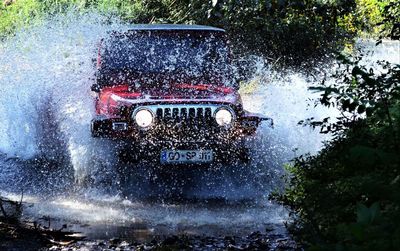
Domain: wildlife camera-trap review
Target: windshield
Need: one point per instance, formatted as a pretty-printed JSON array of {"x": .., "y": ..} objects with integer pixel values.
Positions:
[{"x": 195, "y": 55}]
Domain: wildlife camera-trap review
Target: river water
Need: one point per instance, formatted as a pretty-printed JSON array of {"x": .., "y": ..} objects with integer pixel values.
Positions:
[{"x": 45, "y": 111}]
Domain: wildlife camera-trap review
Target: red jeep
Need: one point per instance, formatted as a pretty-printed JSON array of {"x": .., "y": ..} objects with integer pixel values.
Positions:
[{"x": 168, "y": 92}]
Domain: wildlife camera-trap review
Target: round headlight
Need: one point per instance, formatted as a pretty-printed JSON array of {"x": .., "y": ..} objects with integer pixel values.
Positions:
[
  {"x": 144, "y": 118},
  {"x": 224, "y": 117}
]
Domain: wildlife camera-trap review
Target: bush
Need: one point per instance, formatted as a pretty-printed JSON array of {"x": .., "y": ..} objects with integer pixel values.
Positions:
[{"x": 347, "y": 196}]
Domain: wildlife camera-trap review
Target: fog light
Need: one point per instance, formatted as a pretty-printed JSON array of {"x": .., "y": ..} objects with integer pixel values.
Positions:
[{"x": 119, "y": 126}]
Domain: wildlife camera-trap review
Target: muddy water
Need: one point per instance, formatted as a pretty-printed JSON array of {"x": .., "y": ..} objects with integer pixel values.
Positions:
[{"x": 111, "y": 211}]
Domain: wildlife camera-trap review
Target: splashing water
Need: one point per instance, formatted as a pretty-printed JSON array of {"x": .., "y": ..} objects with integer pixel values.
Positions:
[
  {"x": 46, "y": 108},
  {"x": 45, "y": 104}
]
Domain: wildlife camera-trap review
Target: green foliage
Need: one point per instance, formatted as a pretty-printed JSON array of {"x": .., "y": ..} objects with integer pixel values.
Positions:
[
  {"x": 289, "y": 30},
  {"x": 360, "y": 92},
  {"x": 294, "y": 31},
  {"x": 18, "y": 14},
  {"x": 367, "y": 15},
  {"x": 347, "y": 196},
  {"x": 391, "y": 20},
  {"x": 25, "y": 13}
]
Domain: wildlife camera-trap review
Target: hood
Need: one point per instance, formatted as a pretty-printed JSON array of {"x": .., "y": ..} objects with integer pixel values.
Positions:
[
  {"x": 168, "y": 83},
  {"x": 186, "y": 91},
  {"x": 177, "y": 93}
]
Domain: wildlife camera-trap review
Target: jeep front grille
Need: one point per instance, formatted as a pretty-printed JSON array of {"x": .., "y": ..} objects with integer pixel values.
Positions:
[
  {"x": 183, "y": 113},
  {"x": 185, "y": 123}
]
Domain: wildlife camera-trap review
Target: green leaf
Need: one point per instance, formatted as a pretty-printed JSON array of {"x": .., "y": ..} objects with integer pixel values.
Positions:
[
  {"x": 363, "y": 214},
  {"x": 375, "y": 212},
  {"x": 367, "y": 216},
  {"x": 363, "y": 155},
  {"x": 357, "y": 71}
]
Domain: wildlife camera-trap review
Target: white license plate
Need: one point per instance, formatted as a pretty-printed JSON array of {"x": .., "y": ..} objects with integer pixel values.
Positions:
[{"x": 187, "y": 156}]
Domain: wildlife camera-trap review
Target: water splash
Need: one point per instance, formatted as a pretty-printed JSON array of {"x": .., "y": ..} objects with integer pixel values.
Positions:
[
  {"x": 45, "y": 109},
  {"x": 45, "y": 104}
]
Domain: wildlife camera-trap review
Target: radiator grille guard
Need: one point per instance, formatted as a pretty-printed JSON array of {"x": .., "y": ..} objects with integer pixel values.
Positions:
[
  {"x": 183, "y": 113},
  {"x": 189, "y": 122}
]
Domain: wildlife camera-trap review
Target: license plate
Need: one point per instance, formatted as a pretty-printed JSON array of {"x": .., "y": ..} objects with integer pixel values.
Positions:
[{"x": 187, "y": 156}]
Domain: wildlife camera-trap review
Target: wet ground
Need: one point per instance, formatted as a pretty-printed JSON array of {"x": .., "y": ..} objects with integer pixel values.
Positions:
[{"x": 217, "y": 202}]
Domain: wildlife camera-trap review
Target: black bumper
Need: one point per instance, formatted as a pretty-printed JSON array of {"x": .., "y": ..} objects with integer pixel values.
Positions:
[{"x": 116, "y": 128}]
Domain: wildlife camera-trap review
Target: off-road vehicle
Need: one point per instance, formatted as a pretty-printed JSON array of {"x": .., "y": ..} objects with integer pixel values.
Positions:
[{"x": 168, "y": 93}]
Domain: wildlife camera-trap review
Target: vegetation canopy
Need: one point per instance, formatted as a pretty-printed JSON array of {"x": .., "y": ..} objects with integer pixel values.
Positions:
[{"x": 293, "y": 31}]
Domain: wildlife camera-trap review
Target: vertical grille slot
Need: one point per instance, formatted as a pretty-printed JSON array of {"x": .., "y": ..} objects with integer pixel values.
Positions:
[
  {"x": 159, "y": 113},
  {"x": 207, "y": 116},
  {"x": 167, "y": 113},
  {"x": 192, "y": 113},
  {"x": 175, "y": 113},
  {"x": 208, "y": 113},
  {"x": 200, "y": 114},
  {"x": 184, "y": 114}
]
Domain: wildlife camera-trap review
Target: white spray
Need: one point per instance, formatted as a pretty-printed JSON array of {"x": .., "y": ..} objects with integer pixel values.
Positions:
[
  {"x": 46, "y": 108},
  {"x": 45, "y": 102}
]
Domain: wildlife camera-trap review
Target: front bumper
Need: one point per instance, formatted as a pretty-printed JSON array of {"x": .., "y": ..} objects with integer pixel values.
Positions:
[
  {"x": 116, "y": 128},
  {"x": 227, "y": 144}
]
